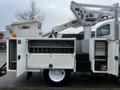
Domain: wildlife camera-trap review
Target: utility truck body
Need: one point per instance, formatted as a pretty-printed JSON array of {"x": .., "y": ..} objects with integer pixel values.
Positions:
[
  {"x": 97, "y": 55},
  {"x": 36, "y": 54}
]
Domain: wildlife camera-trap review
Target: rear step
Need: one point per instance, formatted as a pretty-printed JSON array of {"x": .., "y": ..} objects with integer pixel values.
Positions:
[
  {"x": 3, "y": 70},
  {"x": 82, "y": 63},
  {"x": 83, "y": 67}
]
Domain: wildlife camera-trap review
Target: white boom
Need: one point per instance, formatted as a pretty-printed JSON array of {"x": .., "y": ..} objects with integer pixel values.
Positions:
[
  {"x": 55, "y": 30},
  {"x": 86, "y": 17}
]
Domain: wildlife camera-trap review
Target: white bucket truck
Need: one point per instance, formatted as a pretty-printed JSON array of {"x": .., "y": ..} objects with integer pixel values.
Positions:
[{"x": 58, "y": 57}]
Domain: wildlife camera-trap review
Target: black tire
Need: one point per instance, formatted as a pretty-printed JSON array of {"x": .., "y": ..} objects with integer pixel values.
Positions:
[{"x": 53, "y": 83}]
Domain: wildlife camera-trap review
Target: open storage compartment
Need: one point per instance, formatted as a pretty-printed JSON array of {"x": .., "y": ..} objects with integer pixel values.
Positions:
[
  {"x": 44, "y": 53},
  {"x": 51, "y": 46},
  {"x": 12, "y": 54},
  {"x": 101, "y": 53}
]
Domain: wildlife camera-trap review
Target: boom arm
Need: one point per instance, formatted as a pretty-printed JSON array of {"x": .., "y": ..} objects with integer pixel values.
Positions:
[
  {"x": 87, "y": 17},
  {"x": 55, "y": 30}
]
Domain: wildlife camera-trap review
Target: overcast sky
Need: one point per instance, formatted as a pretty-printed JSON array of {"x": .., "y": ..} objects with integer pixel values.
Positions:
[{"x": 57, "y": 11}]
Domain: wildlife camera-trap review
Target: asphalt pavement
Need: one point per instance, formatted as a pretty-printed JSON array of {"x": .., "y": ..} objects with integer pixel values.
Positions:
[{"x": 37, "y": 80}]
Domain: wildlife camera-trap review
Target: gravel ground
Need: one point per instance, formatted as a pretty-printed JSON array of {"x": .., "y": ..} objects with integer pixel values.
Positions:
[{"x": 37, "y": 81}]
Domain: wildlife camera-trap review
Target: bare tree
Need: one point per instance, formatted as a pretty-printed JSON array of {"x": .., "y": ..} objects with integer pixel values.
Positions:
[{"x": 33, "y": 13}]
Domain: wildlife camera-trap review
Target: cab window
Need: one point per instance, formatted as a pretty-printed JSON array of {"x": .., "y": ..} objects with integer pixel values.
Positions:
[{"x": 103, "y": 30}]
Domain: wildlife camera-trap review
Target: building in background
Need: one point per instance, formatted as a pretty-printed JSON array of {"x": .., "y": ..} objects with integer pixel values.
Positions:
[{"x": 3, "y": 37}]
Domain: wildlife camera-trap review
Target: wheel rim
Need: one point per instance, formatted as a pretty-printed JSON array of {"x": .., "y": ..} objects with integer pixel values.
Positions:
[{"x": 57, "y": 75}]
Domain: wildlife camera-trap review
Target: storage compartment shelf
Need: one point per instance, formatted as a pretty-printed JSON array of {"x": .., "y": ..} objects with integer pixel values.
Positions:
[
  {"x": 51, "y": 50},
  {"x": 100, "y": 60},
  {"x": 48, "y": 47}
]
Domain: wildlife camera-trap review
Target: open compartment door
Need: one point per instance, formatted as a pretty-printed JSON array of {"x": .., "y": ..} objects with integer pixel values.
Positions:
[
  {"x": 113, "y": 57},
  {"x": 98, "y": 53},
  {"x": 21, "y": 57}
]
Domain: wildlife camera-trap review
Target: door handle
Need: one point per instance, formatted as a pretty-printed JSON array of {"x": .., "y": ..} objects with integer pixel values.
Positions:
[
  {"x": 116, "y": 57},
  {"x": 19, "y": 57}
]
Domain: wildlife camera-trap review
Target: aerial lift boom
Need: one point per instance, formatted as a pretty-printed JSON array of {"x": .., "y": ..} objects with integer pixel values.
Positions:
[
  {"x": 87, "y": 18},
  {"x": 55, "y": 30}
]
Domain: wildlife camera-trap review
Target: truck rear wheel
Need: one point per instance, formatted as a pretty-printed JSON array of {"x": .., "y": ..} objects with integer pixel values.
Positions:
[{"x": 56, "y": 77}]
